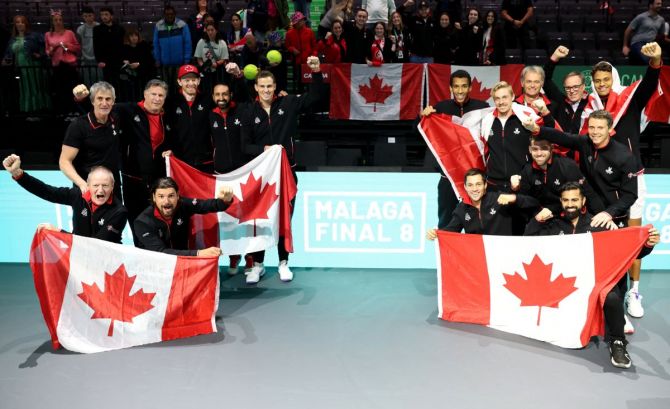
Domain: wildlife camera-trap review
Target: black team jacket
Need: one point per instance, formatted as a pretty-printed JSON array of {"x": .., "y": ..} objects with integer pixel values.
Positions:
[
  {"x": 491, "y": 217},
  {"x": 171, "y": 237},
  {"x": 611, "y": 171},
  {"x": 190, "y": 134},
  {"x": 105, "y": 223}
]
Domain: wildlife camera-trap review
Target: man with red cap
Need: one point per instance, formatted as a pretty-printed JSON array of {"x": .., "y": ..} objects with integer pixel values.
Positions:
[{"x": 187, "y": 115}]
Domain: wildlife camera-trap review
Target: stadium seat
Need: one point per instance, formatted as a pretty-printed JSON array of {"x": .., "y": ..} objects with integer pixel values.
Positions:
[
  {"x": 583, "y": 41},
  {"x": 344, "y": 156},
  {"x": 595, "y": 56},
  {"x": 576, "y": 57},
  {"x": 554, "y": 39},
  {"x": 546, "y": 24},
  {"x": 535, "y": 56},
  {"x": 513, "y": 56},
  {"x": 608, "y": 41},
  {"x": 572, "y": 23},
  {"x": 310, "y": 153},
  {"x": 390, "y": 154}
]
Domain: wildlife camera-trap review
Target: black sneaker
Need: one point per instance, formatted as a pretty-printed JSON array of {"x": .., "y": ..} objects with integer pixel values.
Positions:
[{"x": 619, "y": 355}]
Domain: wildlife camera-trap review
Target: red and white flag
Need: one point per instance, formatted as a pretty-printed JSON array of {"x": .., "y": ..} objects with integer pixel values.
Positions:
[
  {"x": 390, "y": 92},
  {"x": 658, "y": 107},
  {"x": 99, "y": 296},
  {"x": 260, "y": 213},
  {"x": 456, "y": 144},
  {"x": 550, "y": 288},
  {"x": 483, "y": 80}
]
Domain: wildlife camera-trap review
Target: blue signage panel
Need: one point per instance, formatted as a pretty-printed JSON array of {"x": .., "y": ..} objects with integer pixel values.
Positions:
[{"x": 356, "y": 220}]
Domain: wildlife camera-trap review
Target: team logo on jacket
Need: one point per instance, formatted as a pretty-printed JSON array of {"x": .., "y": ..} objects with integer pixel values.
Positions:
[
  {"x": 84, "y": 212},
  {"x": 180, "y": 222},
  {"x": 178, "y": 111},
  {"x": 200, "y": 108},
  {"x": 101, "y": 222},
  {"x": 136, "y": 118},
  {"x": 493, "y": 211},
  {"x": 280, "y": 112},
  {"x": 237, "y": 121},
  {"x": 538, "y": 182},
  {"x": 257, "y": 120},
  {"x": 216, "y": 125},
  {"x": 561, "y": 233},
  {"x": 160, "y": 233},
  {"x": 516, "y": 131},
  {"x": 194, "y": 201},
  {"x": 590, "y": 159},
  {"x": 557, "y": 182},
  {"x": 609, "y": 170},
  {"x": 621, "y": 224},
  {"x": 467, "y": 217},
  {"x": 167, "y": 127}
]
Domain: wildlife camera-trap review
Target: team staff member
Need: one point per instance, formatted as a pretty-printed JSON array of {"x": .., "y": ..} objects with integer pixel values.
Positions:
[
  {"x": 544, "y": 177},
  {"x": 460, "y": 84},
  {"x": 532, "y": 81},
  {"x": 188, "y": 118},
  {"x": 574, "y": 219},
  {"x": 609, "y": 166},
  {"x": 92, "y": 139},
  {"x": 96, "y": 213},
  {"x": 273, "y": 120},
  {"x": 166, "y": 224},
  {"x": 488, "y": 213}
]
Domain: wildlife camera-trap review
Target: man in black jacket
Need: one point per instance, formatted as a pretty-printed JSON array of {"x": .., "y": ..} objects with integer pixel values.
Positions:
[
  {"x": 358, "y": 38},
  {"x": 421, "y": 27},
  {"x": 95, "y": 213},
  {"x": 107, "y": 45},
  {"x": 544, "y": 177},
  {"x": 574, "y": 219},
  {"x": 460, "y": 84},
  {"x": 165, "y": 226},
  {"x": 487, "y": 213},
  {"x": 272, "y": 120}
]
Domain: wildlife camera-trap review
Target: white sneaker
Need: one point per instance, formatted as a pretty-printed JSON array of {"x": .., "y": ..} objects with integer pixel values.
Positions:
[
  {"x": 254, "y": 273},
  {"x": 628, "y": 326},
  {"x": 285, "y": 273},
  {"x": 634, "y": 304}
]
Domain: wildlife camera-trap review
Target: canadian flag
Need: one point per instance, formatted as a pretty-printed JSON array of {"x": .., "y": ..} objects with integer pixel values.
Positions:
[
  {"x": 389, "y": 92},
  {"x": 98, "y": 296},
  {"x": 260, "y": 213},
  {"x": 658, "y": 107},
  {"x": 550, "y": 288},
  {"x": 456, "y": 144},
  {"x": 483, "y": 80}
]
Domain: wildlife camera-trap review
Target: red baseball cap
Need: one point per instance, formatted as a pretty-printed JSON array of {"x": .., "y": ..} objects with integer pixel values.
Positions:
[{"x": 187, "y": 69}]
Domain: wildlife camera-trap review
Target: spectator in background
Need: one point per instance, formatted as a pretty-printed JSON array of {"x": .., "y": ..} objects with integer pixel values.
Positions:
[
  {"x": 381, "y": 49},
  {"x": 451, "y": 7},
  {"x": 358, "y": 37},
  {"x": 303, "y": 7},
  {"x": 257, "y": 18},
  {"x": 63, "y": 49},
  {"x": 517, "y": 15},
  {"x": 470, "y": 39},
  {"x": 644, "y": 28},
  {"x": 280, "y": 19},
  {"x": 300, "y": 40},
  {"x": 89, "y": 66},
  {"x": 333, "y": 46},
  {"x": 493, "y": 41},
  {"x": 421, "y": 28},
  {"x": 339, "y": 12},
  {"x": 211, "y": 54},
  {"x": 26, "y": 52},
  {"x": 107, "y": 45},
  {"x": 445, "y": 40},
  {"x": 138, "y": 66},
  {"x": 236, "y": 38},
  {"x": 378, "y": 11},
  {"x": 399, "y": 35},
  {"x": 172, "y": 40},
  {"x": 197, "y": 23}
]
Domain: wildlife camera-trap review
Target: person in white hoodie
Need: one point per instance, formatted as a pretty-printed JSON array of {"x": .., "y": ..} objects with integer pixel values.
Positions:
[{"x": 378, "y": 10}]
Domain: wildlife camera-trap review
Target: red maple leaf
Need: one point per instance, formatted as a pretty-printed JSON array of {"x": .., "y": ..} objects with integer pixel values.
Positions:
[
  {"x": 538, "y": 289},
  {"x": 255, "y": 201},
  {"x": 478, "y": 92},
  {"x": 375, "y": 93},
  {"x": 115, "y": 301}
]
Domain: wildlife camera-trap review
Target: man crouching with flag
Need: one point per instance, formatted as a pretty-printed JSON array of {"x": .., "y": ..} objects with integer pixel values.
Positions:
[
  {"x": 574, "y": 220},
  {"x": 165, "y": 226}
]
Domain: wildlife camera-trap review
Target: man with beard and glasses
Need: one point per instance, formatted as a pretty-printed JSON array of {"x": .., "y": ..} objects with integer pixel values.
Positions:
[
  {"x": 166, "y": 224},
  {"x": 460, "y": 84},
  {"x": 574, "y": 220},
  {"x": 487, "y": 213}
]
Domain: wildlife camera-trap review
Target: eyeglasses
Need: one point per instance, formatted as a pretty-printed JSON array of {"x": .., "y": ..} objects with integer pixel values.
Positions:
[{"x": 573, "y": 88}]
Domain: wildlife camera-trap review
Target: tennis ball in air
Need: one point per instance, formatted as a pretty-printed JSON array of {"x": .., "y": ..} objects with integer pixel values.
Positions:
[
  {"x": 274, "y": 56},
  {"x": 250, "y": 71}
]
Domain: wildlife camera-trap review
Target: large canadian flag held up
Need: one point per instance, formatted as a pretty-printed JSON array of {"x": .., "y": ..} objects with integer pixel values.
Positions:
[
  {"x": 550, "y": 288},
  {"x": 260, "y": 213},
  {"x": 390, "y": 92},
  {"x": 483, "y": 80},
  {"x": 98, "y": 296}
]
